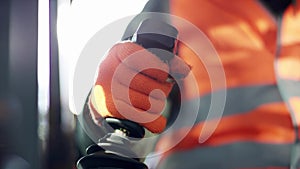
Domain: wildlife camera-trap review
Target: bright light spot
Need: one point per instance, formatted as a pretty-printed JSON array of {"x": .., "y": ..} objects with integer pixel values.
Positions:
[
  {"x": 77, "y": 23},
  {"x": 43, "y": 67}
]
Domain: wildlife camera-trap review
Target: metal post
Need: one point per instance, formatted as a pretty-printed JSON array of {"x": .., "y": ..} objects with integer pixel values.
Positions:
[
  {"x": 59, "y": 144},
  {"x": 23, "y": 76}
]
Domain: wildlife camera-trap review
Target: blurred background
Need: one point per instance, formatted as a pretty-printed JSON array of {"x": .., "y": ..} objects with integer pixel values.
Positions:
[{"x": 40, "y": 41}]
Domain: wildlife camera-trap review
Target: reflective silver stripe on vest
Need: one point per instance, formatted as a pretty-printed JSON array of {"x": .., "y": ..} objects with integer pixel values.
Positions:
[
  {"x": 241, "y": 100},
  {"x": 291, "y": 87},
  {"x": 231, "y": 156}
]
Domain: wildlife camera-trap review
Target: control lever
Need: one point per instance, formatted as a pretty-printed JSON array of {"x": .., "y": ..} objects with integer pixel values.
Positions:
[{"x": 113, "y": 151}]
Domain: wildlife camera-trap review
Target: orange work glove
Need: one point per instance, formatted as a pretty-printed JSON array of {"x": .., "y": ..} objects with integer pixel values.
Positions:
[{"x": 126, "y": 82}]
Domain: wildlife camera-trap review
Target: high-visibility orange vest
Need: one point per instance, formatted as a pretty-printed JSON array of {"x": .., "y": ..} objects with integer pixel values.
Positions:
[{"x": 261, "y": 60}]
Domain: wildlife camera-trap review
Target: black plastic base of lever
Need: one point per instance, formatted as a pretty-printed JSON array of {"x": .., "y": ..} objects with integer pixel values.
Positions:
[
  {"x": 101, "y": 160},
  {"x": 134, "y": 130}
]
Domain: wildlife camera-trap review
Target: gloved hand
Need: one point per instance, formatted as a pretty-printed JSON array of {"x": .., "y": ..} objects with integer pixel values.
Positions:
[{"x": 125, "y": 89}]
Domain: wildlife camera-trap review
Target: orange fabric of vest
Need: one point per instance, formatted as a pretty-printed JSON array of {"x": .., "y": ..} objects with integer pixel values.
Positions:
[{"x": 244, "y": 35}]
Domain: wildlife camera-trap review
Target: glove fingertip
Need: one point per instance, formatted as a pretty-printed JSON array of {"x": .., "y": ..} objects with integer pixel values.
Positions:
[{"x": 178, "y": 68}]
